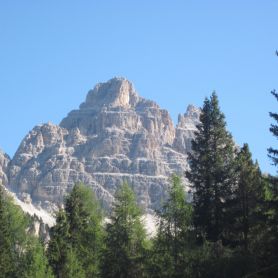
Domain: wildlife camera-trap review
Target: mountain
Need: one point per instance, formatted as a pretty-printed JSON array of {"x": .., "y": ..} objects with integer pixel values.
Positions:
[
  {"x": 114, "y": 136},
  {"x": 4, "y": 161}
]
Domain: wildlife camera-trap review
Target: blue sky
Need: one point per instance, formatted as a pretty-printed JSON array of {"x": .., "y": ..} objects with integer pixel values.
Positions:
[{"x": 175, "y": 52}]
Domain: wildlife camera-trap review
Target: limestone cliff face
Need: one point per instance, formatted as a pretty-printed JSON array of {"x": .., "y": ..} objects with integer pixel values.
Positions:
[
  {"x": 114, "y": 136},
  {"x": 4, "y": 161}
]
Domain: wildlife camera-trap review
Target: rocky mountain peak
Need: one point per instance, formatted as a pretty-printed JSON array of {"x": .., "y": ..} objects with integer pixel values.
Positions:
[
  {"x": 114, "y": 136},
  {"x": 117, "y": 92},
  {"x": 186, "y": 128},
  {"x": 190, "y": 118},
  {"x": 193, "y": 112}
]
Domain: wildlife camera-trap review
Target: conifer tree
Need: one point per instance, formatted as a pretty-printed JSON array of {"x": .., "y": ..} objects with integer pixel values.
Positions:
[
  {"x": 174, "y": 238},
  {"x": 77, "y": 236},
  {"x": 72, "y": 267},
  {"x": 125, "y": 240},
  {"x": 212, "y": 171},
  {"x": 248, "y": 198},
  {"x": 272, "y": 200},
  {"x": 35, "y": 264},
  {"x": 59, "y": 244},
  {"x": 84, "y": 217},
  {"x": 272, "y": 152},
  {"x": 7, "y": 252},
  {"x": 21, "y": 255}
]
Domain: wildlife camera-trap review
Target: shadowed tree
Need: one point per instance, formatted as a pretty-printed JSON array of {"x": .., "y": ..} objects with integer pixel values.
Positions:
[{"x": 211, "y": 172}]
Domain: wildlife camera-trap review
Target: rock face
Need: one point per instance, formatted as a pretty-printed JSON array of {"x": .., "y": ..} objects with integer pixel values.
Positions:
[
  {"x": 114, "y": 136},
  {"x": 4, "y": 161}
]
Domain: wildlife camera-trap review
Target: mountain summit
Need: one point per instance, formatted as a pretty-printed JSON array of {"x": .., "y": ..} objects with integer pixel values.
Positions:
[
  {"x": 117, "y": 92},
  {"x": 114, "y": 136}
]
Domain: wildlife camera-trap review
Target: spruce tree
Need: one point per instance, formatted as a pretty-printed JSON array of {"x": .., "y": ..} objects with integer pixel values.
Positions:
[
  {"x": 85, "y": 219},
  {"x": 272, "y": 152},
  {"x": 7, "y": 252},
  {"x": 174, "y": 237},
  {"x": 72, "y": 267},
  {"x": 78, "y": 234},
  {"x": 59, "y": 244},
  {"x": 211, "y": 172},
  {"x": 125, "y": 240},
  {"x": 272, "y": 200},
  {"x": 248, "y": 199},
  {"x": 35, "y": 263},
  {"x": 21, "y": 254}
]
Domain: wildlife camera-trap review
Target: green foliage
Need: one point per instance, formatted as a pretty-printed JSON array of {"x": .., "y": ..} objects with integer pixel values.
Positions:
[
  {"x": 21, "y": 255},
  {"x": 72, "y": 267},
  {"x": 246, "y": 218},
  {"x": 124, "y": 254},
  {"x": 271, "y": 236},
  {"x": 212, "y": 171},
  {"x": 59, "y": 244},
  {"x": 77, "y": 236},
  {"x": 213, "y": 260},
  {"x": 174, "y": 237},
  {"x": 273, "y": 153},
  {"x": 35, "y": 264},
  {"x": 85, "y": 227},
  {"x": 8, "y": 254}
]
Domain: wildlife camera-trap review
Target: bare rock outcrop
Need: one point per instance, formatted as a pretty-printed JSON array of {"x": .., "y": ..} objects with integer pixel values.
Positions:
[{"x": 4, "y": 161}]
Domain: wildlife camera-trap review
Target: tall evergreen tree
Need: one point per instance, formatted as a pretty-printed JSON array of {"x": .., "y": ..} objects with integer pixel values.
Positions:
[
  {"x": 248, "y": 199},
  {"x": 72, "y": 267},
  {"x": 125, "y": 240},
  {"x": 77, "y": 235},
  {"x": 212, "y": 171},
  {"x": 35, "y": 264},
  {"x": 59, "y": 244},
  {"x": 21, "y": 255},
  {"x": 272, "y": 152},
  {"x": 174, "y": 237},
  {"x": 7, "y": 252},
  {"x": 85, "y": 227},
  {"x": 272, "y": 200}
]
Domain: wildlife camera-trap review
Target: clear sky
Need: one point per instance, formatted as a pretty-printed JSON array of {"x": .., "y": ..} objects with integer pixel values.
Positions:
[{"x": 175, "y": 52}]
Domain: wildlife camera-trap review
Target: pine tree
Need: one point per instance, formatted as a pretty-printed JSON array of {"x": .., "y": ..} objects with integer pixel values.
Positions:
[
  {"x": 248, "y": 199},
  {"x": 13, "y": 237},
  {"x": 21, "y": 254},
  {"x": 212, "y": 171},
  {"x": 125, "y": 240},
  {"x": 273, "y": 153},
  {"x": 72, "y": 267},
  {"x": 7, "y": 255},
  {"x": 59, "y": 244},
  {"x": 173, "y": 241},
  {"x": 85, "y": 227},
  {"x": 35, "y": 264},
  {"x": 272, "y": 200},
  {"x": 78, "y": 234}
]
